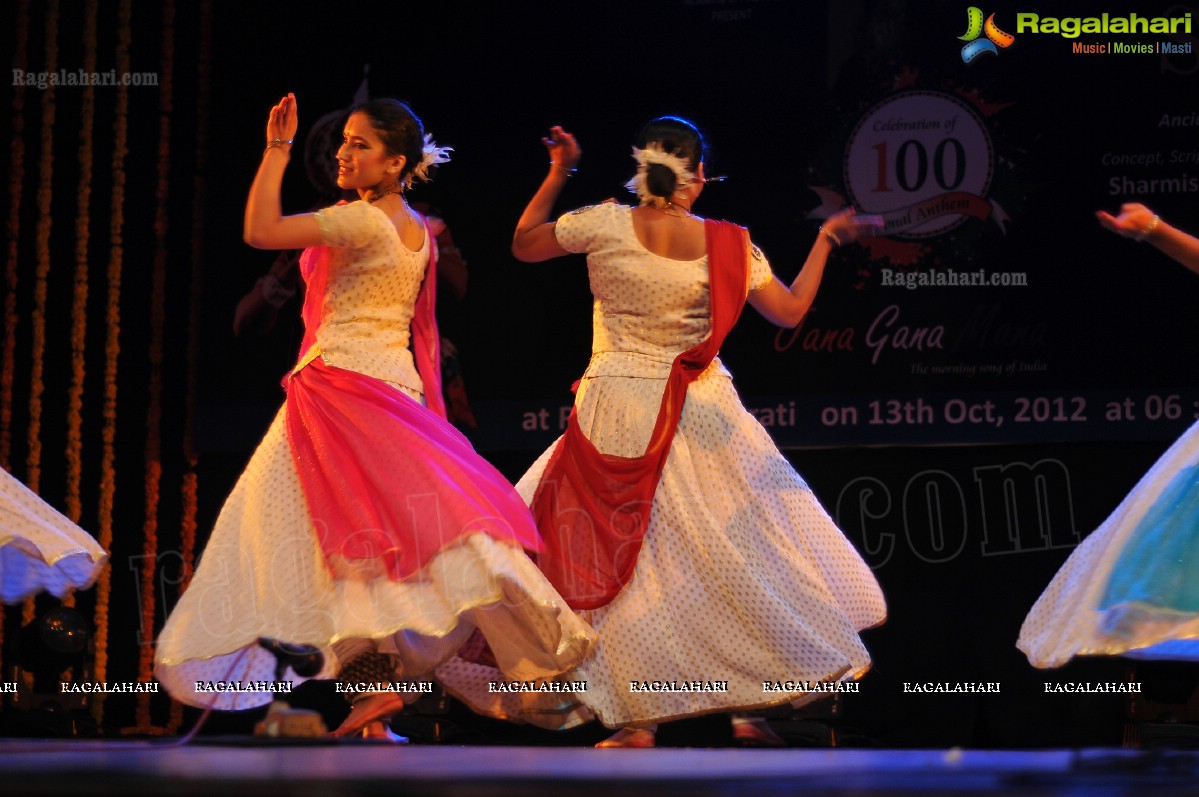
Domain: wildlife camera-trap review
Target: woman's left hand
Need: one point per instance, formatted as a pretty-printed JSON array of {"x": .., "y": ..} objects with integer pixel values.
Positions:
[
  {"x": 848, "y": 226},
  {"x": 282, "y": 123},
  {"x": 1135, "y": 221},
  {"x": 564, "y": 150}
]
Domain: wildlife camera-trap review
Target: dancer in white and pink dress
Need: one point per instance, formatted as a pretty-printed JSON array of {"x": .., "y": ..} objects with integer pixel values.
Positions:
[
  {"x": 40, "y": 548},
  {"x": 364, "y": 524},
  {"x": 1131, "y": 587},
  {"x": 735, "y": 574}
]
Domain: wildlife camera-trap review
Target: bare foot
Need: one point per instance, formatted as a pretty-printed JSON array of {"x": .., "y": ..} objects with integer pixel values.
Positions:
[
  {"x": 629, "y": 737},
  {"x": 367, "y": 710},
  {"x": 378, "y": 731},
  {"x": 755, "y": 732}
]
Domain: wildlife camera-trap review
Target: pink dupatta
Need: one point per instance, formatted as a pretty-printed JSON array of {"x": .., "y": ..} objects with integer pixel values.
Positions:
[{"x": 389, "y": 482}]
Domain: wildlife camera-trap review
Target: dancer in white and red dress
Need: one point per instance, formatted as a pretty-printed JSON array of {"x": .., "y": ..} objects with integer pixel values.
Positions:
[
  {"x": 40, "y": 548},
  {"x": 700, "y": 554},
  {"x": 1131, "y": 587},
  {"x": 364, "y": 524}
]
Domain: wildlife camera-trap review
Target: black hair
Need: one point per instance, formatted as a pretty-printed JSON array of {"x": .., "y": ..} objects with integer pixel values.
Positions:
[
  {"x": 399, "y": 129},
  {"x": 677, "y": 136}
]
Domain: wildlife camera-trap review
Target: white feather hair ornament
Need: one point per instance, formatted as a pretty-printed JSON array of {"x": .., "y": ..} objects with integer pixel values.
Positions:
[
  {"x": 653, "y": 153},
  {"x": 432, "y": 155}
]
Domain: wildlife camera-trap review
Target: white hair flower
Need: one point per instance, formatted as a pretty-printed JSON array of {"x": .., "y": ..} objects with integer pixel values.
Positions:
[
  {"x": 653, "y": 153},
  {"x": 432, "y": 155}
]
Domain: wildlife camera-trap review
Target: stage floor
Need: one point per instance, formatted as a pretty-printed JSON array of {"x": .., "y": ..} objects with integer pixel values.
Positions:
[{"x": 241, "y": 766}]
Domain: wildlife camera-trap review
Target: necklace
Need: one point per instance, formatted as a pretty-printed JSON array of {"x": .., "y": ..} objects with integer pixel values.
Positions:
[
  {"x": 393, "y": 190},
  {"x": 666, "y": 210}
]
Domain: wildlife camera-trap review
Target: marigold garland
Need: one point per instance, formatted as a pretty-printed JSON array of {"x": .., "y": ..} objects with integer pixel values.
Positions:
[
  {"x": 187, "y": 531},
  {"x": 195, "y": 295},
  {"x": 87, "y": 117},
  {"x": 16, "y": 180},
  {"x": 153, "y": 452},
  {"x": 15, "y": 184},
  {"x": 149, "y": 553},
  {"x": 191, "y": 483},
  {"x": 45, "y": 193},
  {"x": 112, "y": 348}
]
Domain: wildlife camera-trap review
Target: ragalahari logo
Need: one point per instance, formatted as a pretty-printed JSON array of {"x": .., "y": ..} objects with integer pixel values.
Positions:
[{"x": 975, "y": 27}]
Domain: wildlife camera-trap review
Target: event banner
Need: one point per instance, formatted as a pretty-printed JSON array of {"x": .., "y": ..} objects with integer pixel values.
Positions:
[{"x": 993, "y": 307}]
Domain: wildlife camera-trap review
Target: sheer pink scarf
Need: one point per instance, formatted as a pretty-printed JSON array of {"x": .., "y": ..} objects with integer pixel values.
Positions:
[{"x": 389, "y": 482}]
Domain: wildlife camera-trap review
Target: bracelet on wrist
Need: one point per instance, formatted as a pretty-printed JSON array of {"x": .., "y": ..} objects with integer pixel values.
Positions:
[
  {"x": 831, "y": 236},
  {"x": 282, "y": 143},
  {"x": 1149, "y": 228},
  {"x": 565, "y": 170}
]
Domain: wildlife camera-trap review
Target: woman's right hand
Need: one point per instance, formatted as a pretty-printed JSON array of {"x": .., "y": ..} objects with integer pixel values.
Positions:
[
  {"x": 534, "y": 239},
  {"x": 1135, "y": 220},
  {"x": 283, "y": 120},
  {"x": 564, "y": 150},
  {"x": 264, "y": 225}
]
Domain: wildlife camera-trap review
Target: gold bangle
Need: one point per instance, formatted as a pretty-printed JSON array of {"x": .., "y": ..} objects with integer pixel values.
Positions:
[
  {"x": 278, "y": 142},
  {"x": 831, "y": 236},
  {"x": 568, "y": 172},
  {"x": 1149, "y": 228}
]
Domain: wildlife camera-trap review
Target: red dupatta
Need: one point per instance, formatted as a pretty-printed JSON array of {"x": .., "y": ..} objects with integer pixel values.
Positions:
[{"x": 592, "y": 509}]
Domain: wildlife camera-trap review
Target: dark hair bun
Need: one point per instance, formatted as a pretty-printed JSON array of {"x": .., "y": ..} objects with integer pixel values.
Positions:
[
  {"x": 674, "y": 135},
  {"x": 660, "y": 180}
]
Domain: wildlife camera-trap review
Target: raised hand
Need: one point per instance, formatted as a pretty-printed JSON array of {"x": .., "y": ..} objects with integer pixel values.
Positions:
[
  {"x": 1135, "y": 220},
  {"x": 283, "y": 120},
  {"x": 563, "y": 149},
  {"x": 848, "y": 226}
]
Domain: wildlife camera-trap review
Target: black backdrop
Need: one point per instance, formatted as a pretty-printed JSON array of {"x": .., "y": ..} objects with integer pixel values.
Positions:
[{"x": 780, "y": 89}]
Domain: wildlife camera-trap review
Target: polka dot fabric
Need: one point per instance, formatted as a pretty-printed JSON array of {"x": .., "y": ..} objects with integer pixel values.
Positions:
[
  {"x": 373, "y": 282},
  {"x": 263, "y": 574},
  {"x": 742, "y": 576},
  {"x": 647, "y": 308},
  {"x": 40, "y": 549}
]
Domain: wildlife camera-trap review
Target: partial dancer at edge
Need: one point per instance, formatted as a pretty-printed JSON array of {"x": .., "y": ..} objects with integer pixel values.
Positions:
[
  {"x": 40, "y": 548},
  {"x": 701, "y": 554},
  {"x": 1132, "y": 586},
  {"x": 364, "y": 524}
]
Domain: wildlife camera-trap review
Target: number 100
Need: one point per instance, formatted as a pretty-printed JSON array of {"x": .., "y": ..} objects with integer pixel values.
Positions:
[{"x": 949, "y": 155}]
